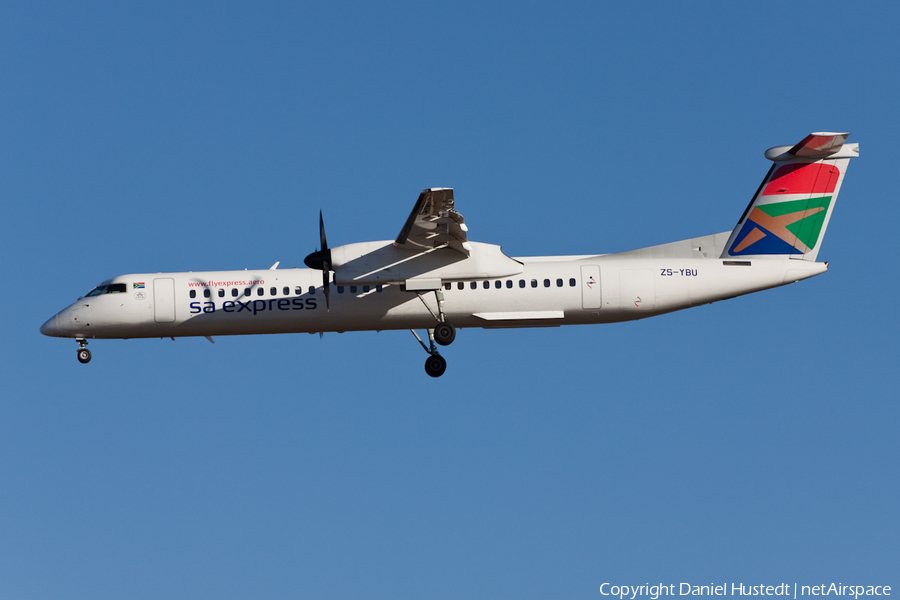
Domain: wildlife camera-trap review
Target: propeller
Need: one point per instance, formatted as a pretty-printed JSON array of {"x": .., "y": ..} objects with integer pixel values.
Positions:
[{"x": 321, "y": 260}]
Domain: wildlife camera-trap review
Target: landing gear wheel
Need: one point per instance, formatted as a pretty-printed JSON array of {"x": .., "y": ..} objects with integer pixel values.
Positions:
[
  {"x": 444, "y": 334},
  {"x": 435, "y": 365},
  {"x": 84, "y": 356}
]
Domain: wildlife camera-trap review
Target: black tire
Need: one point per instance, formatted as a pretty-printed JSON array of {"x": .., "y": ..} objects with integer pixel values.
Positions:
[
  {"x": 435, "y": 365},
  {"x": 84, "y": 356},
  {"x": 444, "y": 334}
]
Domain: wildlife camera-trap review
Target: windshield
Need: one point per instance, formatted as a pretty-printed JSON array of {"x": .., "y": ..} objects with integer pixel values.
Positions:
[{"x": 112, "y": 288}]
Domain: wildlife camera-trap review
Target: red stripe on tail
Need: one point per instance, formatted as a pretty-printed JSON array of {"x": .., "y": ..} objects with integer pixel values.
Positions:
[{"x": 803, "y": 178}]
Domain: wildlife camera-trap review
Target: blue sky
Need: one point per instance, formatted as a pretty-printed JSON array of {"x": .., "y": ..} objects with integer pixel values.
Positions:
[{"x": 754, "y": 440}]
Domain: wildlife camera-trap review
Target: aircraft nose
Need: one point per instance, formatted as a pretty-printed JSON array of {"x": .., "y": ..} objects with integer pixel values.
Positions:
[{"x": 51, "y": 327}]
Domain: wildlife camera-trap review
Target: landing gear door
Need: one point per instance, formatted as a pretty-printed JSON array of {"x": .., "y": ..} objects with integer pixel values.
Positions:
[
  {"x": 591, "y": 297},
  {"x": 164, "y": 300}
]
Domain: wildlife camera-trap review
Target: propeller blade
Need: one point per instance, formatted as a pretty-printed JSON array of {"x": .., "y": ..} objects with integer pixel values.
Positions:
[{"x": 321, "y": 260}]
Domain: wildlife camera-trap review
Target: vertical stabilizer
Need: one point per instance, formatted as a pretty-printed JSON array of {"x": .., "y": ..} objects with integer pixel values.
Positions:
[{"x": 791, "y": 209}]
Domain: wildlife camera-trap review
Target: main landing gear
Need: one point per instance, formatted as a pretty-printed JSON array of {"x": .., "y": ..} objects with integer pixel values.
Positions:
[
  {"x": 435, "y": 365},
  {"x": 84, "y": 355},
  {"x": 443, "y": 333}
]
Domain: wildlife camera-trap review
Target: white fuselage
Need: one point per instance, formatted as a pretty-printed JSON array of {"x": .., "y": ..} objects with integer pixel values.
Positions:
[
  {"x": 550, "y": 291},
  {"x": 432, "y": 276}
]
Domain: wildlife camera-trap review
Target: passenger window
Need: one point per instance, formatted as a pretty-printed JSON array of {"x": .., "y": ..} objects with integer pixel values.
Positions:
[
  {"x": 312, "y": 289},
  {"x": 559, "y": 283},
  {"x": 521, "y": 283},
  {"x": 487, "y": 285},
  {"x": 298, "y": 290},
  {"x": 340, "y": 289},
  {"x": 366, "y": 288},
  {"x": 286, "y": 291},
  {"x": 447, "y": 286},
  {"x": 221, "y": 293},
  {"x": 534, "y": 283},
  {"x": 234, "y": 292},
  {"x": 546, "y": 283},
  {"x": 378, "y": 288},
  {"x": 509, "y": 283},
  {"x": 260, "y": 291},
  {"x": 206, "y": 293},
  {"x": 498, "y": 284},
  {"x": 193, "y": 293},
  {"x": 352, "y": 289},
  {"x": 461, "y": 285},
  {"x": 572, "y": 282},
  {"x": 474, "y": 285},
  {"x": 246, "y": 291}
]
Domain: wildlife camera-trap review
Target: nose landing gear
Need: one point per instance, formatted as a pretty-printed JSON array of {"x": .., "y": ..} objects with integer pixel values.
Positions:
[{"x": 84, "y": 355}]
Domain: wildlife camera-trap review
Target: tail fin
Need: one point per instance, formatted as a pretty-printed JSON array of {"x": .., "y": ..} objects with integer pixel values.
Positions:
[{"x": 790, "y": 211}]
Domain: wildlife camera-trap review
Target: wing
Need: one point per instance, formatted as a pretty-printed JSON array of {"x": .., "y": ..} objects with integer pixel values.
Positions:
[{"x": 434, "y": 223}]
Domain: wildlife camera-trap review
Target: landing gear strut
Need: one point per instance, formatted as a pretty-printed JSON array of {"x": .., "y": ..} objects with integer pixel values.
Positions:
[
  {"x": 444, "y": 332},
  {"x": 435, "y": 365},
  {"x": 84, "y": 355}
]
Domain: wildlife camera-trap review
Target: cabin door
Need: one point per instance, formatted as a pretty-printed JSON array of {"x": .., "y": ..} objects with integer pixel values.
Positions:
[
  {"x": 590, "y": 287},
  {"x": 164, "y": 300}
]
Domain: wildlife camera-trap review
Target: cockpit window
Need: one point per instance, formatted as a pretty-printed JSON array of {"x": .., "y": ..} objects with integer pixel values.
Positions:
[{"x": 112, "y": 288}]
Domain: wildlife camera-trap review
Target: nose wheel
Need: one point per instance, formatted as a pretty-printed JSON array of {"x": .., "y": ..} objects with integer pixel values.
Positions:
[{"x": 84, "y": 355}]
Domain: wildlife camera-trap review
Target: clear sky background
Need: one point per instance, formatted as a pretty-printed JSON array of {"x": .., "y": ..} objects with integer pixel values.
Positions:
[{"x": 754, "y": 440}]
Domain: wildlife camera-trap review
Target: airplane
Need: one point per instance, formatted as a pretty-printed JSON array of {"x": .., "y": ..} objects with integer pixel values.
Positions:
[{"x": 432, "y": 277}]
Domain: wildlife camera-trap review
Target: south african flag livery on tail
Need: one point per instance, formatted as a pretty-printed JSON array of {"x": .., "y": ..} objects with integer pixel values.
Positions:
[{"x": 790, "y": 211}]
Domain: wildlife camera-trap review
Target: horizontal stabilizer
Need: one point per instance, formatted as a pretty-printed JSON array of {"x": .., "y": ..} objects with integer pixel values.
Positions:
[{"x": 814, "y": 146}]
